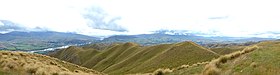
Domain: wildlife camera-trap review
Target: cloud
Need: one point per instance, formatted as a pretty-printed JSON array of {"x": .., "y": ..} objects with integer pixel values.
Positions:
[
  {"x": 218, "y": 17},
  {"x": 8, "y": 26},
  {"x": 111, "y": 17},
  {"x": 99, "y": 19},
  {"x": 61, "y": 15}
]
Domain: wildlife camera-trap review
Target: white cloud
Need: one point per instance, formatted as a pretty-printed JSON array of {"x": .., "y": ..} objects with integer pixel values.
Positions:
[
  {"x": 231, "y": 17},
  {"x": 1, "y": 24}
]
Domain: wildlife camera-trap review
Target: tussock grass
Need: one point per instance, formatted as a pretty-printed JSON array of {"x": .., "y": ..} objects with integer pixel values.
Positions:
[
  {"x": 213, "y": 67},
  {"x": 166, "y": 71},
  {"x": 182, "y": 67},
  {"x": 34, "y": 64},
  {"x": 254, "y": 64}
]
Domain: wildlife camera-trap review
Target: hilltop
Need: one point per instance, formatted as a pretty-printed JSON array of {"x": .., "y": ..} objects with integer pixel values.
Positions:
[{"x": 21, "y": 63}]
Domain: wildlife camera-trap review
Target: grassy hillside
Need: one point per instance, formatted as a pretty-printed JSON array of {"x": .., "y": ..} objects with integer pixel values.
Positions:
[
  {"x": 129, "y": 58},
  {"x": 227, "y": 50},
  {"x": 179, "y": 54},
  {"x": 75, "y": 54},
  {"x": 20, "y": 63},
  {"x": 264, "y": 61},
  {"x": 259, "y": 59},
  {"x": 188, "y": 58}
]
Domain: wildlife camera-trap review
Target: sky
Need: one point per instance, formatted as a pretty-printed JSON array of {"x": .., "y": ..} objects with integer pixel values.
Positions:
[{"x": 237, "y": 18}]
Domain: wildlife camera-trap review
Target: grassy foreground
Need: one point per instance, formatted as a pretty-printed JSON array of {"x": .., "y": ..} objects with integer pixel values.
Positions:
[{"x": 20, "y": 63}]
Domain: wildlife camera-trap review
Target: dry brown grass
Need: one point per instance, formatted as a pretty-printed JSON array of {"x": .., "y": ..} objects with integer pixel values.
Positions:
[
  {"x": 35, "y": 64},
  {"x": 182, "y": 67},
  {"x": 213, "y": 67},
  {"x": 162, "y": 71}
]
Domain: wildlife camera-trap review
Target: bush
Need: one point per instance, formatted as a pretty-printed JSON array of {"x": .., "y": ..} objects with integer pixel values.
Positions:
[
  {"x": 161, "y": 71},
  {"x": 211, "y": 69}
]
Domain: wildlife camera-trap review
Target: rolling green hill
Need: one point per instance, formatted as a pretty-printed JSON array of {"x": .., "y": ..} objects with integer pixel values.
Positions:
[
  {"x": 186, "y": 58},
  {"x": 263, "y": 61},
  {"x": 21, "y": 63},
  {"x": 258, "y": 59},
  {"x": 130, "y": 58}
]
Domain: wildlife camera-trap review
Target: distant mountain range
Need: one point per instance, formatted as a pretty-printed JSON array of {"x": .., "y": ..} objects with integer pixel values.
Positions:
[
  {"x": 173, "y": 36},
  {"x": 15, "y": 37},
  {"x": 35, "y": 40},
  {"x": 40, "y": 40}
]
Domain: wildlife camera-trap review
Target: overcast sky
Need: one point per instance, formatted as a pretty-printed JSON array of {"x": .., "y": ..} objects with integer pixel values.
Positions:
[{"x": 109, "y": 17}]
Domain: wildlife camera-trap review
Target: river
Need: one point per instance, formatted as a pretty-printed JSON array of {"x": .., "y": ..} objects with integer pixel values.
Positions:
[
  {"x": 44, "y": 51},
  {"x": 48, "y": 49}
]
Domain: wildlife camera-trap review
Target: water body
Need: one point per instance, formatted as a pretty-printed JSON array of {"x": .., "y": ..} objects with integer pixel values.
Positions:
[
  {"x": 44, "y": 51},
  {"x": 48, "y": 49}
]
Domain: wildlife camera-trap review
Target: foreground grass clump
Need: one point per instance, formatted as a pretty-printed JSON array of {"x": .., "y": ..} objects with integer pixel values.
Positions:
[
  {"x": 213, "y": 68},
  {"x": 20, "y": 63}
]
